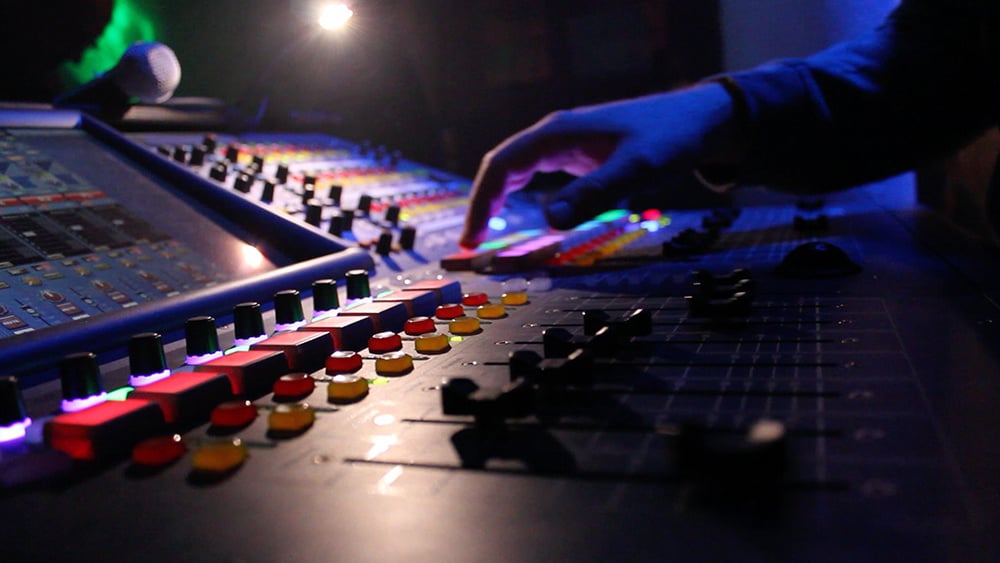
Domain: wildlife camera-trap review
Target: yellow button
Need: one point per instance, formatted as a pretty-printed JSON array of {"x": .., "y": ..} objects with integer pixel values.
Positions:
[
  {"x": 395, "y": 363},
  {"x": 219, "y": 457},
  {"x": 291, "y": 417},
  {"x": 347, "y": 388},
  {"x": 432, "y": 343},
  {"x": 464, "y": 325},
  {"x": 491, "y": 311},
  {"x": 514, "y": 298}
]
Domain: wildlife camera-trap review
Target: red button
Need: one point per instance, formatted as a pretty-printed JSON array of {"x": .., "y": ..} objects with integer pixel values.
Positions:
[
  {"x": 233, "y": 414},
  {"x": 475, "y": 299},
  {"x": 383, "y": 342},
  {"x": 419, "y": 325},
  {"x": 343, "y": 361},
  {"x": 449, "y": 311},
  {"x": 294, "y": 385},
  {"x": 158, "y": 451}
]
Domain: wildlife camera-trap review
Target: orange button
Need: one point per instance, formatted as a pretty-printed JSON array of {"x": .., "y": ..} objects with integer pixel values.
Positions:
[
  {"x": 343, "y": 361},
  {"x": 383, "y": 342},
  {"x": 394, "y": 363},
  {"x": 233, "y": 414},
  {"x": 158, "y": 451}
]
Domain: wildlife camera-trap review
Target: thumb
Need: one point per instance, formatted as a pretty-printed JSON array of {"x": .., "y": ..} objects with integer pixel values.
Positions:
[{"x": 589, "y": 195}]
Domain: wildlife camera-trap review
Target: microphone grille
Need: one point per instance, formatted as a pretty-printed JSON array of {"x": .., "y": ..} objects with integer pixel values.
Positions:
[{"x": 148, "y": 71}]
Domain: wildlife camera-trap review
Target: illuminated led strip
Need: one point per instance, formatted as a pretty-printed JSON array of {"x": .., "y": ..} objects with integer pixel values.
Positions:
[
  {"x": 140, "y": 380},
  {"x": 198, "y": 360},
  {"x": 14, "y": 431},
  {"x": 74, "y": 405},
  {"x": 530, "y": 246},
  {"x": 288, "y": 327},
  {"x": 317, "y": 315},
  {"x": 239, "y": 342}
]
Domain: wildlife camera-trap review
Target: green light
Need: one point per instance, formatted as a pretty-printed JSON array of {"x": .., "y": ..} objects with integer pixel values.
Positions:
[
  {"x": 379, "y": 381},
  {"x": 455, "y": 339},
  {"x": 612, "y": 215},
  {"x": 634, "y": 218},
  {"x": 129, "y": 23},
  {"x": 120, "y": 394},
  {"x": 493, "y": 245}
]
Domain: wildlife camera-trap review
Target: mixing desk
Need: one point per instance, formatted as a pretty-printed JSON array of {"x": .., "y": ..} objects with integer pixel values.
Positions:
[{"x": 805, "y": 381}]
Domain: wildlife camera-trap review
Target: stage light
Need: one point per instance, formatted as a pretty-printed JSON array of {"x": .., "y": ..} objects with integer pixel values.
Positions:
[{"x": 334, "y": 16}]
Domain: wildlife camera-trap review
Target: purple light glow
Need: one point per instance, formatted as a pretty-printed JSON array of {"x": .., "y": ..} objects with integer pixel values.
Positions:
[
  {"x": 140, "y": 380},
  {"x": 288, "y": 327},
  {"x": 248, "y": 341},
  {"x": 14, "y": 431},
  {"x": 74, "y": 405},
  {"x": 198, "y": 360}
]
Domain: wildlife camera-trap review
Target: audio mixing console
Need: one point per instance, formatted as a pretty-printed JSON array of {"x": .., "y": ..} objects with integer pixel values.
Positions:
[{"x": 811, "y": 381}]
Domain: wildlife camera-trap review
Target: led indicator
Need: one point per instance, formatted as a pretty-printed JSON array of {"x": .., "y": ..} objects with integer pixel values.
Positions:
[
  {"x": 140, "y": 380},
  {"x": 497, "y": 223},
  {"x": 14, "y": 431}
]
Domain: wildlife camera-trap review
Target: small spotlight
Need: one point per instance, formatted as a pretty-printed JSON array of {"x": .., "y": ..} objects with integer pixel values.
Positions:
[
  {"x": 251, "y": 256},
  {"x": 334, "y": 16}
]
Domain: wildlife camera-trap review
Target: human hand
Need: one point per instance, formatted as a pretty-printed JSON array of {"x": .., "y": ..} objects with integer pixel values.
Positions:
[{"x": 606, "y": 146}]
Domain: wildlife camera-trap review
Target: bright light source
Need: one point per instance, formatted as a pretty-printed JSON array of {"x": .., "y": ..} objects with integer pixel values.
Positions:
[
  {"x": 252, "y": 257},
  {"x": 498, "y": 223},
  {"x": 334, "y": 16}
]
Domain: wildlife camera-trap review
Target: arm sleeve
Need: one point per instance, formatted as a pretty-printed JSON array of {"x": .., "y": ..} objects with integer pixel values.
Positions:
[{"x": 921, "y": 85}]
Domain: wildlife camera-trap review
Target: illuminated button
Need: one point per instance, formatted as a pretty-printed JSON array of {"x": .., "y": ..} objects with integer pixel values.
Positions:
[
  {"x": 304, "y": 350},
  {"x": 104, "y": 430},
  {"x": 343, "y": 361},
  {"x": 291, "y": 417},
  {"x": 464, "y": 325},
  {"x": 233, "y": 414},
  {"x": 252, "y": 373},
  {"x": 294, "y": 385},
  {"x": 491, "y": 311},
  {"x": 383, "y": 342},
  {"x": 514, "y": 298},
  {"x": 475, "y": 299},
  {"x": 432, "y": 343},
  {"x": 448, "y": 291},
  {"x": 394, "y": 363},
  {"x": 348, "y": 333},
  {"x": 346, "y": 388},
  {"x": 386, "y": 315},
  {"x": 219, "y": 457},
  {"x": 159, "y": 450},
  {"x": 14, "y": 418},
  {"x": 416, "y": 302},
  {"x": 187, "y": 397},
  {"x": 419, "y": 325},
  {"x": 449, "y": 311}
]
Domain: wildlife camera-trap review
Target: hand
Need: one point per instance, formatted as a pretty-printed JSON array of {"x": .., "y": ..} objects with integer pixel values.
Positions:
[{"x": 606, "y": 146}]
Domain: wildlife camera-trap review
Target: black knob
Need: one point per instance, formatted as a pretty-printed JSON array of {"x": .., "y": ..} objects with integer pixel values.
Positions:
[
  {"x": 248, "y": 322},
  {"x": 348, "y": 220},
  {"x": 281, "y": 174},
  {"x": 384, "y": 244},
  {"x": 407, "y": 237},
  {"x": 746, "y": 462},
  {"x": 145, "y": 356},
  {"x": 267, "y": 194},
  {"x": 164, "y": 150},
  {"x": 309, "y": 179},
  {"x": 365, "y": 204},
  {"x": 593, "y": 320},
  {"x": 817, "y": 260},
  {"x": 392, "y": 215},
  {"x": 524, "y": 364},
  {"x": 201, "y": 337},
  {"x": 325, "y": 296},
  {"x": 489, "y": 406},
  {"x": 232, "y": 153},
  {"x": 257, "y": 164},
  {"x": 210, "y": 143},
  {"x": 12, "y": 409},
  {"x": 218, "y": 172},
  {"x": 558, "y": 343},
  {"x": 180, "y": 154},
  {"x": 243, "y": 182},
  {"x": 336, "y": 227},
  {"x": 80, "y": 377},
  {"x": 314, "y": 212},
  {"x": 308, "y": 193},
  {"x": 198, "y": 155},
  {"x": 288, "y": 307},
  {"x": 357, "y": 284},
  {"x": 334, "y": 194}
]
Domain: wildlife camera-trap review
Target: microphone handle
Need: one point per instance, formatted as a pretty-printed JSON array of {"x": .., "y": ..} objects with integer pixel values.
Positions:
[{"x": 100, "y": 96}]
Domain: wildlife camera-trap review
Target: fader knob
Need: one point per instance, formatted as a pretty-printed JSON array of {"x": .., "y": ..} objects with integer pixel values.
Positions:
[
  {"x": 593, "y": 320},
  {"x": 748, "y": 462},
  {"x": 180, "y": 154},
  {"x": 308, "y": 193},
  {"x": 80, "y": 377},
  {"x": 210, "y": 143},
  {"x": 365, "y": 204},
  {"x": 281, "y": 174},
  {"x": 558, "y": 343},
  {"x": 232, "y": 153},
  {"x": 334, "y": 194},
  {"x": 12, "y": 409},
  {"x": 348, "y": 220},
  {"x": 817, "y": 259},
  {"x": 267, "y": 194},
  {"x": 314, "y": 212},
  {"x": 146, "y": 361},
  {"x": 392, "y": 215},
  {"x": 407, "y": 237},
  {"x": 218, "y": 172},
  {"x": 384, "y": 244},
  {"x": 357, "y": 284},
  {"x": 201, "y": 340},
  {"x": 198, "y": 156},
  {"x": 325, "y": 296},
  {"x": 243, "y": 182},
  {"x": 288, "y": 310},
  {"x": 336, "y": 227},
  {"x": 248, "y": 323}
]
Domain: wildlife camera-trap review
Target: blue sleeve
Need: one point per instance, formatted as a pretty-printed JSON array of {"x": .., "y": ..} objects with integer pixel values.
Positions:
[{"x": 921, "y": 85}]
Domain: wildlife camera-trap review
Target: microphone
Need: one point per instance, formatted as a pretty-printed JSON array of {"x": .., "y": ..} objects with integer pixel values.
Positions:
[{"x": 147, "y": 72}]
